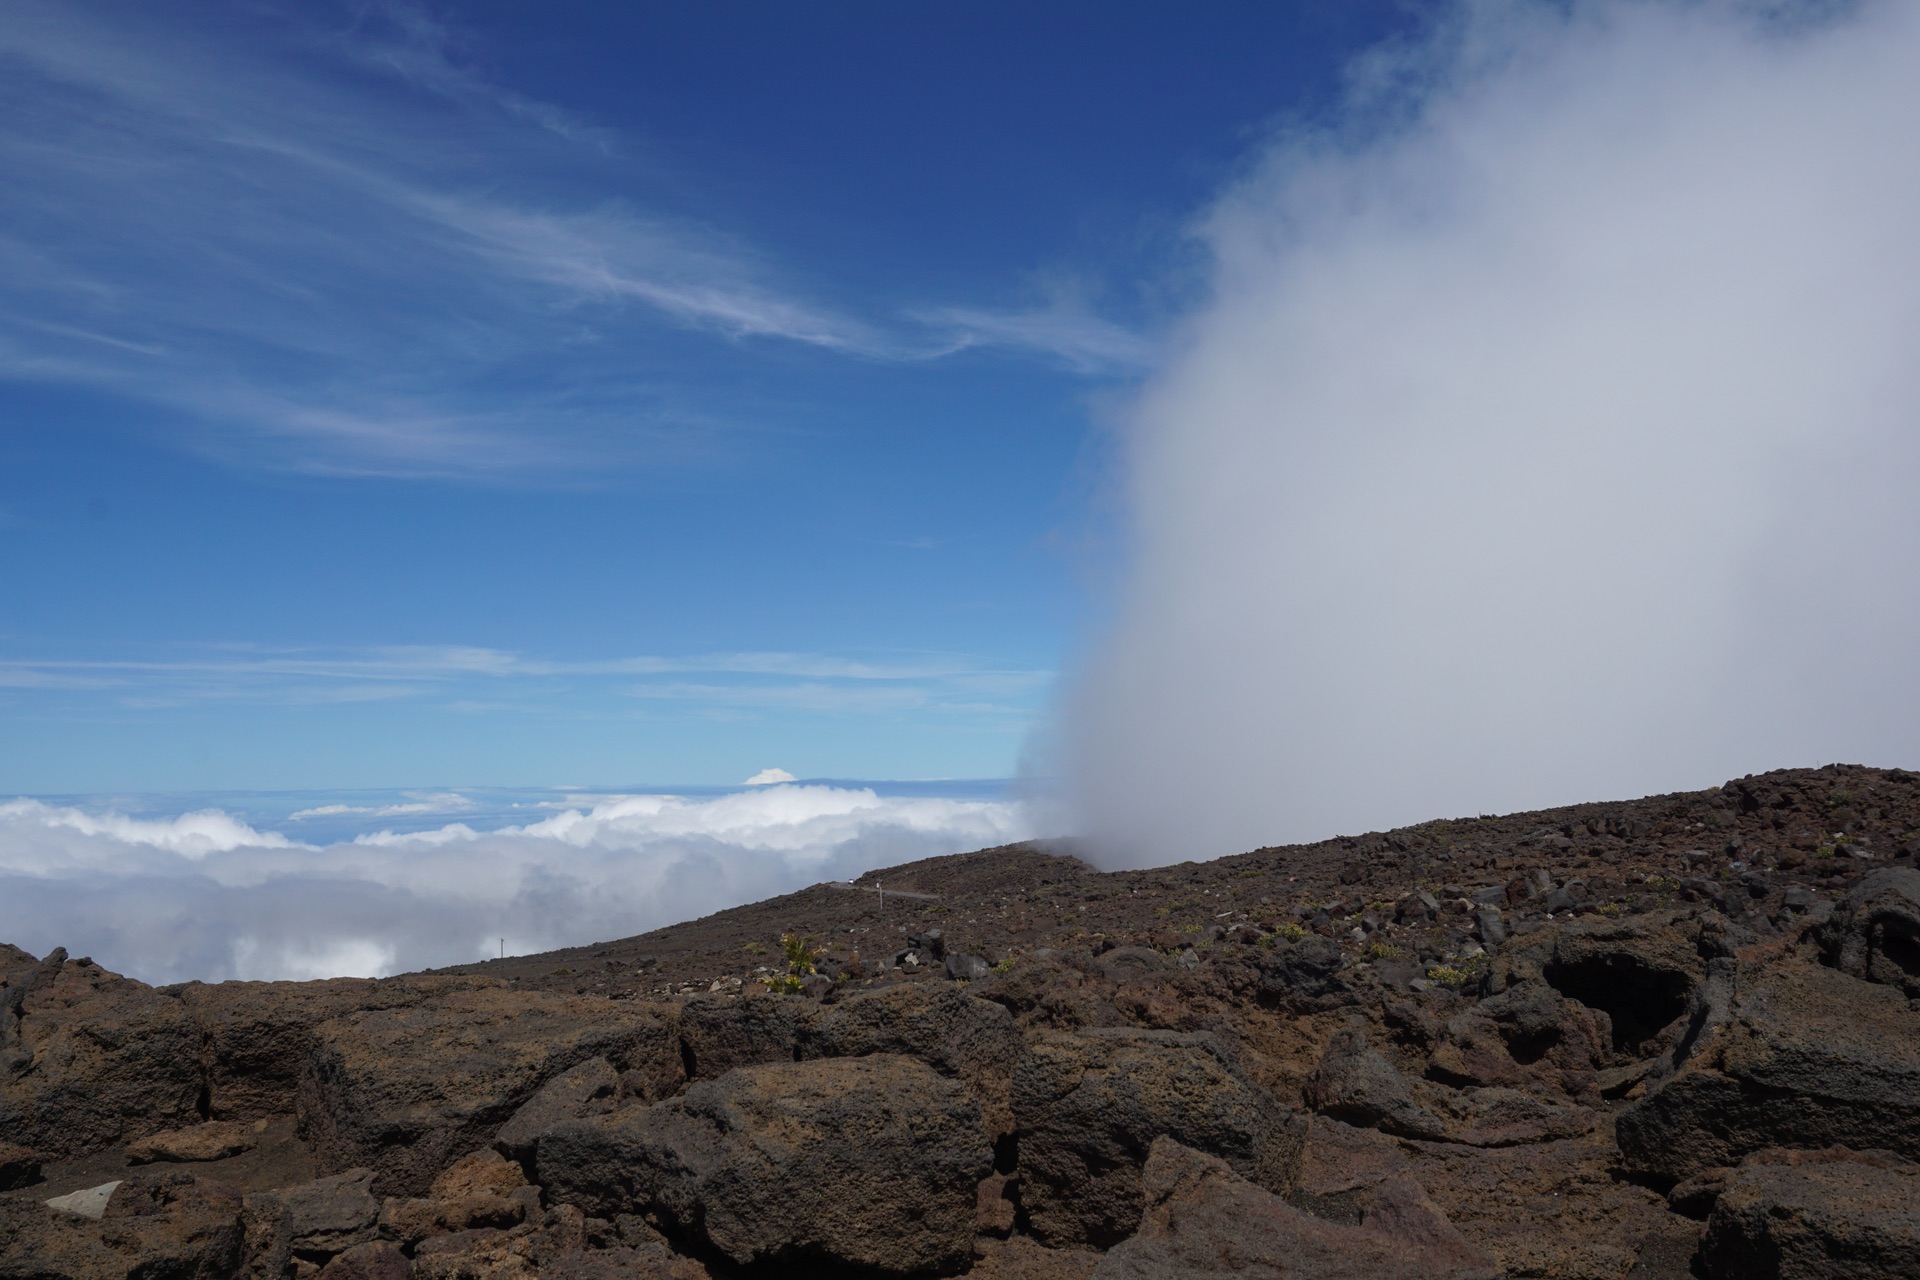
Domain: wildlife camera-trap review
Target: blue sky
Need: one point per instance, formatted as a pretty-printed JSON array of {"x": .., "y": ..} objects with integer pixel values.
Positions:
[{"x": 586, "y": 395}]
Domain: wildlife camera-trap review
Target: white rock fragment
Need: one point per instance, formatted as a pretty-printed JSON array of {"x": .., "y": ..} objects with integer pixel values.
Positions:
[{"x": 90, "y": 1203}]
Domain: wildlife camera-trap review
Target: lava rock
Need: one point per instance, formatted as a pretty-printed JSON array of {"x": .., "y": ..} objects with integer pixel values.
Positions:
[
  {"x": 1875, "y": 932},
  {"x": 1803, "y": 1056},
  {"x": 1355, "y": 1084},
  {"x": 1492, "y": 930},
  {"x": 1089, "y": 1105},
  {"x": 591, "y": 1088},
  {"x": 1123, "y": 963},
  {"x": 867, "y": 1162},
  {"x": 965, "y": 968},
  {"x": 89, "y": 1058},
  {"x": 310, "y": 1222},
  {"x": 379, "y": 1260},
  {"x": 1203, "y": 1220},
  {"x": 166, "y": 1226},
  {"x": 1834, "y": 1220},
  {"x": 718, "y": 1035},
  {"x": 972, "y": 1040},
  {"x": 404, "y": 1091},
  {"x": 1307, "y": 976},
  {"x": 214, "y": 1140}
]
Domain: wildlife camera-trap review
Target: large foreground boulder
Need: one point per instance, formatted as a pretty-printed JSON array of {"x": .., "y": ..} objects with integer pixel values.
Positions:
[
  {"x": 405, "y": 1091},
  {"x": 1202, "y": 1220},
  {"x": 1826, "y": 1220},
  {"x": 89, "y": 1058},
  {"x": 861, "y": 1163},
  {"x": 956, "y": 1034},
  {"x": 1806, "y": 1056},
  {"x": 1090, "y": 1104},
  {"x": 256, "y": 1036}
]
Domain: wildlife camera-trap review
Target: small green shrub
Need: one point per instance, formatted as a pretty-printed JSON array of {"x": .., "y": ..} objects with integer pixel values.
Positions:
[
  {"x": 801, "y": 953},
  {"x": 1464, "y": 973}
]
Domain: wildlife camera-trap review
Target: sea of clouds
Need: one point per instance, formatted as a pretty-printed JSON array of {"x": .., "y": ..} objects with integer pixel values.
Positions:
[
  {"x": 208, "y": 895},
  {"x": 1551, "y": 433}
]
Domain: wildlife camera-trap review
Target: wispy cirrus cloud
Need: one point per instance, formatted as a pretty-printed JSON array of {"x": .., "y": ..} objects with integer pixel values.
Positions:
[
  {"x": 475, "y": 679},
  {"x": 332, "y": 248},
  {"x": 1069, "y": 335}
]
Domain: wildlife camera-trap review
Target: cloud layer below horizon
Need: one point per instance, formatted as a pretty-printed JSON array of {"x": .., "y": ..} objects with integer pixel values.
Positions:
[
  {"x": 205, "y": 895},
  {"x": 1555, "y": 441}
]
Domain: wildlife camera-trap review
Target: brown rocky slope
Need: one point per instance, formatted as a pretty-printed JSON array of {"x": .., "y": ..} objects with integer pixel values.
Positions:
[{"x": 1667, "y": 1037}]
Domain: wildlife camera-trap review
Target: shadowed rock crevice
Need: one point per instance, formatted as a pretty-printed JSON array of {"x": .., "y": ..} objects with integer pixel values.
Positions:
[{"x": 1640, "y": 1001}]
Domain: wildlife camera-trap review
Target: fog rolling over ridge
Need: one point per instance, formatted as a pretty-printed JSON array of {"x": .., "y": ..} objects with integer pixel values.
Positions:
[{"x": 1557, "y": 441}]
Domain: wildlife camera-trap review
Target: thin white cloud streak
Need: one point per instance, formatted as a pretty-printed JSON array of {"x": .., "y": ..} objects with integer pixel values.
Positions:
[
  {"x": 206, "y": 896},
  {"x": 1069, "y": 335},
  {"x": 1558, "y": 444},
  {"x": 434, "y": 802},
  {"x": 247, "y": 674}
]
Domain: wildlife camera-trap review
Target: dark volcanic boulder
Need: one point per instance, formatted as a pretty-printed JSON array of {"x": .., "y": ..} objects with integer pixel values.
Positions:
[
  {"x": 309, "y": 1223},
  {"x": 1202, "y": 1220},
  {"x": 861, "y": 1163},
  {"x": 89, "y": 1058},
  {"x": 1528, "y": 1034},
  {"x": 256, "y": 1036},
  {"x": 957, "y": 1035},
  {"x": 1089, "y": 1105},
  {"x": 592, "y": 1088},
  {"x": 1306, "y": 976},
  {"x": 1355, "y": 1084},
  {"x": 718, "y": 1035},
  {"x": 404, "y": 1091},
  {"x": 1806, "y": 1057},
  {"x": 1875, "y": 932},
  {"x": 1833, "y": 1220}
]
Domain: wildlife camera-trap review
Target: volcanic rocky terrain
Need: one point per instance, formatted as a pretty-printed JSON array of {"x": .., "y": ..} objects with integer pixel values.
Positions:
[{"x": 1658, "y": 1038}]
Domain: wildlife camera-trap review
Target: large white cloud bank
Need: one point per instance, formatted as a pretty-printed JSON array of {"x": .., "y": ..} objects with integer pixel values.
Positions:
[
  {"x": 204, "y": 895},
  {"x": 1559, "y": 441}
]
